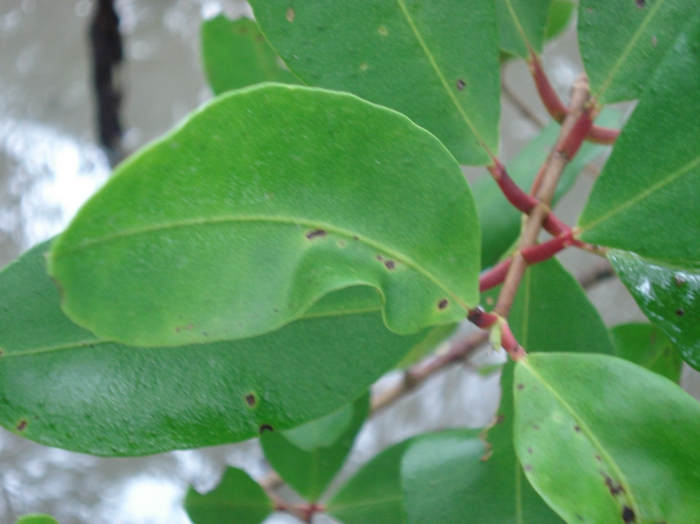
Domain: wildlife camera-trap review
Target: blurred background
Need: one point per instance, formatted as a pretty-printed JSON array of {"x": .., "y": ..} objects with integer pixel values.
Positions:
[{"x": 51, "y": 161}]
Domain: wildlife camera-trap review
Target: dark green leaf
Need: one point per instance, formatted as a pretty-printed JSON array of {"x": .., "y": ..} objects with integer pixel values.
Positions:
[
  {"x": 309, "y": 456},
  {"x": 560, "y": 14},
  {"x": 624, "y": 41},
  {"x": 36, "y": 519},
  {"x": 522, "y": 23},
  {"x": 238, "y": 499},
  {"x": 500, "y": 221},
  {"x": 644, "y": 200},
  {"x": 436, "y": 62},
  {"x": 647, "y": 346},
  {"x": 374, "y": 494},
  {"x": 669, "y": 295},
  {"x": 264, "y": 201},
  {"x": 429, "y": 344},
  {"x": 604, "y": 440},
  {"x": 235, "y": 54},
  {"x": 61, "y": 386}
]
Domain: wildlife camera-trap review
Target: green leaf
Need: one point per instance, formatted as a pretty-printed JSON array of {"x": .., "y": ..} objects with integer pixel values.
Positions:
[
  {"x": 522, "y": 23},
  {"x": 623, "y": 42},
  {"x": 309, "y": 456},
  {"x": 238, "y": 499},
  {"x": 36, "y": 519},
  {"x": 61, "y": 386},
  {"x": 669, "y": 295},
  {"x": 604, "y": 440},
  {"x": 235, "y": 54},
  {"x": 443, "y": 479},
  {"x": 428, "y": 345},
  {"x": 274, "y": 196},
  {"x": 560, "y": 14},
  {"x": 374, "y": 494},
  {"x": 500, "y": 221},
  {"x": 647, "y": 346},
  {"x": 643, "y": 201},
  {"x": 436, "y": 62}
]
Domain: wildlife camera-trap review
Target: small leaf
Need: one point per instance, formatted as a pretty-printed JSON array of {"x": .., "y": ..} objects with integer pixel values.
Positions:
[
  {"x": 560, "y": 14},
  {"x": 274, "y": 196},
  {"x": 61, "y": 386},
  {"x": 309, "y": 456},
  {"x": 235, "y": 54},
  {"x": 374, "y": 494},
  {"x": 623, "y": 42},
  {"x": 643, "y": 201},
  {"x": 647, "y": 346},
  {"x": 627, "y": 439},
  {"x": 436, "y": 62},
  {"x": 238, "y": 499},
  {"x": 522, "y": 23},
  {"x": 669, "y": 295},
  {"x": 500, "y": 221},
  {"x": 36, "y": 519}
]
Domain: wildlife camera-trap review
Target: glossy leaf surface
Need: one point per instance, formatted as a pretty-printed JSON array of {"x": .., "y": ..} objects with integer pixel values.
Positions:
[
  {"x": 436, "y": 62},
  {"x": 375, "y": 493},
  {"x": 238, "y": 499},
  {"x": 643, "y": 201},
  {"x": 500, "y": 221},
  {"x": 560, "y": 14},
  {"x": 61, "y": 386},
  {"x": 308, "y": 457},
  {"x": 264, "y": 201},
  {"x": 647, "y": 346},
  {"x": 627, "y": 436},
  {"x": 669, "y": 295},
  {"x": 623, "y": 42},
  {"x": 235, "y": 54},
  {"x": 522, "y": 23},
  {"x": 36, "y": 519}
]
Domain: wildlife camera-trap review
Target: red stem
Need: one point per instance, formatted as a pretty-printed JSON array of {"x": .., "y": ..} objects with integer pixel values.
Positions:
[
  {"x": 603, "y": 135},
  {"x": 575, "y": 138},
  {"x": 481, "y": 318},
  {"x": 494, "y": 276},
  {"x": 511, "y": 345},
  {"x": 516, "y": 196}
]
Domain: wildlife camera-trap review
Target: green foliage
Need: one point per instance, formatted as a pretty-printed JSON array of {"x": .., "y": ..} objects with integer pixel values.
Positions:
[
  {"x": 36, "y": 519},
  {"x": 238, "y": 499},
  {"x": 646, "y": 345},
  {"x": 522, "y": 25},
  {"x": 235, "y": 54},
  {"x": 309, "y": 456}
]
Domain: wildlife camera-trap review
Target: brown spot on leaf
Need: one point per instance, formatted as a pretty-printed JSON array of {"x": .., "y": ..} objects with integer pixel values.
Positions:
[
  {"x": 528, "y": 467},
  {"x": 380, "y": 257},
  {"x": 500, "y": 419},
  {"x": 266, "y": 427},
  {"x": 579, "y": 517},
  {"x": 680, "y": 312},
  {"x": 529, "y": 450},
  {"x": 641, "y": 4},
  {"x": 461, "y": 85},
  {"x": 291, "y": 15},
  {"x": 383, "y": 31},
  {"x": 22, "y": 424},
  {"x": 390, "y": 264},
  {"x": 628, "y": 515},
  {"x": 613, "y": 486},
  {"x": 251, "y": 400},
  {"x": 177, "y": 329},
  {"x": 597, "y": 457},
  {"x": 521, "y": 386},
  {"x": 442, "y": 304},
  {"x": 535, "y": 426},
  {"x": 0, "y": 352},
  {"x": 355, "y": 238},
  {"x": 316, "y": 233},
  {"x": 577, "y": 429}
]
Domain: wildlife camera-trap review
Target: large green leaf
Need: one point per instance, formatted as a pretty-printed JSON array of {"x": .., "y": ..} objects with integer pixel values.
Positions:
[
  {"x": 669, "y": 295},
  {"x": 560, "y": 14},
  {"x": 522, "y": 23},
  {"x": 309, "y": 456},
  {"x": 436, "y": 62},
  {"x": 264, "y": 201},
  {"x": 500, "y": 221},
  {"x": 647, "y": 346},
  {"x": 235, "y": 54},
  {"x": 624, "y": 41},
  {"x": 604, "y": 440},
  {"x": 36, "y": 519},
  {"x": 61, "y": 386},
  {"x": 238, "y": 499},
  {"x": 643, "y": 201},
  {"x": 374, "y": 494}
]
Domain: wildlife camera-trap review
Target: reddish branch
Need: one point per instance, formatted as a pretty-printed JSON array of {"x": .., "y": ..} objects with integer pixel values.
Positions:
[{"x": 557, "y": 110}]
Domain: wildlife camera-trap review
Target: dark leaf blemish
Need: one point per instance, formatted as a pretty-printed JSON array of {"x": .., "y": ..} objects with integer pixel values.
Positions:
[
  {"x": 535, "y": 426},
  {"x": 250, "y": 400},
  {"x": 577, "y": 429},
  {"x": 500, "y": 419},
  {"x": 390, "y": 264},
  {"x": 628, "y": 515},
  {"x": 521, "y": 386},
  {"x": 380, "y": 257},
  {"x": 529, "y": 450},
  {"x": 460, "y": 84},
  {"x": 680, "y": 312},
  {"x": 442, "y": 304},
  {"x": 613, "y": 486},
  {"x": 266, "y": 427},
  {"x": 528, "y": 467},
  {"x": 22, "y": 424},
  {"x": 641, "y": 4},
  {"x": 315, "y": 234}
]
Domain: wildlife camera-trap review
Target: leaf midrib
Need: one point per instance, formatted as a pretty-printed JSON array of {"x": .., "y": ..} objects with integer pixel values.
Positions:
[
  {"x": 669, "y": 179},
  {"x": 628, "y": 49},
  {"x": 393, "y": 498},
  {"x": 208, "y": 221},
  {"x": 588, "y": 432},
  {"x": 438, "y": 72}
]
